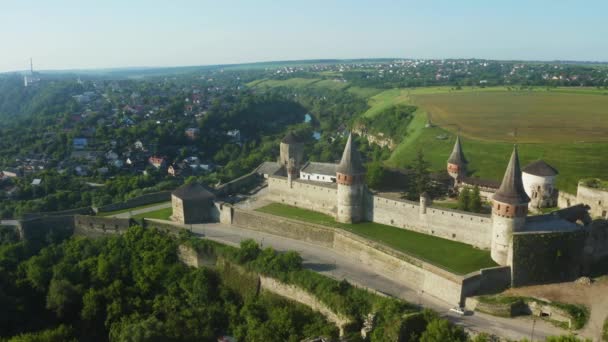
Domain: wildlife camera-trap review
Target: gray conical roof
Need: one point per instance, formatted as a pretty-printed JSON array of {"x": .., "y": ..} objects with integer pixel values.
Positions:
[
  {"x": 193, "y": 191},
  {"x": 511, "y": 189},
  {"x": 351, "y": 159},
  {"x": 457, "y": 157},
  {"x": 540, "y": 168}
]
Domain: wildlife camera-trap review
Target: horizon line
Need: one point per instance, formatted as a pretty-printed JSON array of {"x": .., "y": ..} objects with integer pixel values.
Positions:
[{"x": 321, "y": 60}]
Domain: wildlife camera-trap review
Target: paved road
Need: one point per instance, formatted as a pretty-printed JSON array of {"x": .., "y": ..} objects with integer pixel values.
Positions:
[
  {"x": 128, "y": 214},
  {"x": 338, "y": 266}
]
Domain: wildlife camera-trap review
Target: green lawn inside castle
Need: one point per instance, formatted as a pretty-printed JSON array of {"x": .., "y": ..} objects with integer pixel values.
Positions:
[{"x": 453, "y": 256}]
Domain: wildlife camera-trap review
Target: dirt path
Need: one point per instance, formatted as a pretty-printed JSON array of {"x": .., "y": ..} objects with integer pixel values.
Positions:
[{"x": 594, "y": 296}]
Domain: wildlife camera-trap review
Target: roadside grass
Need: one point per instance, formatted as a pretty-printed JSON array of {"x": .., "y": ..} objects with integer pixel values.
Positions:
[
  {"x": 161, "y": 214},
  {"x": 115, "y": 212},
  {"x": 453, "y": 256},
  {"x": 579, "y": 313}
]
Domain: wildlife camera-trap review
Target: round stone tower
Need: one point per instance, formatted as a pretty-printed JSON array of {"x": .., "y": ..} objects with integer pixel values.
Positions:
[
  {"x": 539, "y": 182},
  {"x": 509, "y": 210},
  {"x": 350, "y": 176},
  {"x": 457, "y": 163},
  {"x": 291, "y": 148}
]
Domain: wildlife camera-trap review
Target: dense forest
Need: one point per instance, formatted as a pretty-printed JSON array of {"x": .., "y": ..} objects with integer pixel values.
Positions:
[{"x": 132, "y": 288}]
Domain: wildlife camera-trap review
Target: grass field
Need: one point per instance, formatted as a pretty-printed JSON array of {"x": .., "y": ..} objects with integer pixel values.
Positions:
[
  {"x": 115, "y": 212},
  {"x": 454, "y": 256},
  {"x": 567, "y": 127},
  {"x": 161, "y": 214},
  {"x": 520, "y": 116},
  {"x": 488, "y": 159},
  {"x": 315, "y": 83}
]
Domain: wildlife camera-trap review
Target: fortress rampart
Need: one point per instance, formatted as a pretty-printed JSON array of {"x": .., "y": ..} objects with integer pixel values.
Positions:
[
  {"x": 414, "y": 272},
  {"x": 474, "y": 229},
  {"x": 315, "y": 196}
]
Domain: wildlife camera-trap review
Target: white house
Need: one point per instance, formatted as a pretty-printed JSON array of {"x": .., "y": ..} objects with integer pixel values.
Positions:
[{"x": 319, "y": 172}]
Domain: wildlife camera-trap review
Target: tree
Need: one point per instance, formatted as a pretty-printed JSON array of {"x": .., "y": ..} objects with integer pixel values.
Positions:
[
  {"x": 442, "y": 330},
  {"x": 375, "y": 174},
  {"x": 475, "y": 200},
  {"x": 63, "y": 298},
  {"x": 422, "y": 176},
  {"x": 249, "y": 251},
  {"x": 464, "y": 199},
  {"x": 59, "y": 334}
]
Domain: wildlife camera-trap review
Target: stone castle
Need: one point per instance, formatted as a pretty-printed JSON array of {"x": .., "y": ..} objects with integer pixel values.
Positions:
[{"x": 538, "y": 249}]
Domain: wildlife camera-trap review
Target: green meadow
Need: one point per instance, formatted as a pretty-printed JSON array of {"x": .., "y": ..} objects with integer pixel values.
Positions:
[{"x": 567, "y": 127}]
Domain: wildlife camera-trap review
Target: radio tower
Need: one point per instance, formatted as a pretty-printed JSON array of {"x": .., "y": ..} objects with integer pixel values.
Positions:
[{"x": 30, "y": 79}]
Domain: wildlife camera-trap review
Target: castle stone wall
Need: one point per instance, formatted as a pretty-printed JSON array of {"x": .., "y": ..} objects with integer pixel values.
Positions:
[
  {"x": 565, "y": 200},
  {"x": 308, "y": 195},
  {"x": 99, "y": 226},
  {"x": 454, "y": 225},
  {"x": 415, "y": 273},
  {"x": 596, "y": 199},
  {"x": 38, "y": 229},
  {"x": 547, "y": 257},
  {"x": 284, "y": 227},
  {"x": 241, "y": 184},
  {"x": 155, "y": 197},
  {"x": 77, "y": 211},
  {"x": 597, "y": 240},
  {"x": 301, "y": 296}
]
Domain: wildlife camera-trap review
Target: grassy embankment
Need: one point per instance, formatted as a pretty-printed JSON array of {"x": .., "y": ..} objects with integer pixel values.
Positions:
[
  {"x": 116, "y": 212},
  {"x": 161, "y": 214},
  {"x": 454, "y": 256}
]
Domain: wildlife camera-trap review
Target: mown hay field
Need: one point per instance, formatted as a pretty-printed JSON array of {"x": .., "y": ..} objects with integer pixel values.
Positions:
[{"x": 520, "y": 116}]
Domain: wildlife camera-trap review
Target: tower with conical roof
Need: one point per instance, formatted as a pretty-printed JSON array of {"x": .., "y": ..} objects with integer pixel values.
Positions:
[
  {"x": 509, "y": 210},
  {"x": 457, "y": 163},
  {"x": 291, "y": 148},
  {"x": 350, "y": 176}
]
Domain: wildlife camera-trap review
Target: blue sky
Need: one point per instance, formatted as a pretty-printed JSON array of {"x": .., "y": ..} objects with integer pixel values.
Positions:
[{"x": 69, "y": 34}]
